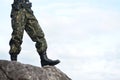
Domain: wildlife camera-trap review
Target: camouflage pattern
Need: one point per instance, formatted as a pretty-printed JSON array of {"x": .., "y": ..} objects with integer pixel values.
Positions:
[{"x": 24, "y": 19}]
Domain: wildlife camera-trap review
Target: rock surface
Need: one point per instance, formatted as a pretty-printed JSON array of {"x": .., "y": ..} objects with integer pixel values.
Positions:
[{"x": 11, "y": 70}]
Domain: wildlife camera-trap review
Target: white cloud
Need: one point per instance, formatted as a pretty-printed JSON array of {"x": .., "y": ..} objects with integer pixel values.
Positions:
[{"x": 87, "y": 32}]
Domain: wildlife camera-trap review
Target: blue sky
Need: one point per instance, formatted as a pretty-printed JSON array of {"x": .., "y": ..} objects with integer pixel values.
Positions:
[{"x": 83, "y": 34}]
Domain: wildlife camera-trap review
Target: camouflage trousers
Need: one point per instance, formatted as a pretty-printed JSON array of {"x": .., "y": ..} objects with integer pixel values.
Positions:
[{"x": 24, "y": 20}]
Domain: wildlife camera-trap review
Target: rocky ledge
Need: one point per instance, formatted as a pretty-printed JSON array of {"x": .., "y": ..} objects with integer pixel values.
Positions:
[{"x": 12, "y": 70}]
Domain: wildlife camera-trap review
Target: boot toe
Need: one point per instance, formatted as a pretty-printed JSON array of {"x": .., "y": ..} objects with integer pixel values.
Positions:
[{"x": 50, "y": 63}]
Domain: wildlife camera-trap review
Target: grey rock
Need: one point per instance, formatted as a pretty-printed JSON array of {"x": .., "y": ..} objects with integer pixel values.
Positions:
[{"x": 12, "y": 70}]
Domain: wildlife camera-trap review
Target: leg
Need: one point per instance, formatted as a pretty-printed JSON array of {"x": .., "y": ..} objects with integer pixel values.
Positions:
[
  {"x": 17, "y": 35},
  {"x": 35, "y": 32}
]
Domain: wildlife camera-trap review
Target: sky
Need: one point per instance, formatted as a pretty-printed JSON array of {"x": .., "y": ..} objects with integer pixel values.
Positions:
[{"x": 83, "y": 34}]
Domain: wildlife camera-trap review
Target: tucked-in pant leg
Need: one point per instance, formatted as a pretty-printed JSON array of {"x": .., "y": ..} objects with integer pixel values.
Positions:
[
  {"x": 36, "y": 34},
  {"x": 18, "y": 30}
]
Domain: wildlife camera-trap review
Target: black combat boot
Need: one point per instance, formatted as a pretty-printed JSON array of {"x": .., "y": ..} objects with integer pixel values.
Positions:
[
  {"x": 45, "y": 61},
  {"x": 13, "y": 57}
]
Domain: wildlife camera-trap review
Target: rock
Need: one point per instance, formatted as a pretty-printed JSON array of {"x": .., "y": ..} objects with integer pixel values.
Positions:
[{"x": 12, "y": 70}]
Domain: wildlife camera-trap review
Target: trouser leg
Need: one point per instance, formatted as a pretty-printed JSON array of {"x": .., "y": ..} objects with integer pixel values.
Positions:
[
  {"x": 35, "y": 32},
  {"x": 17, "y": 35}
]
